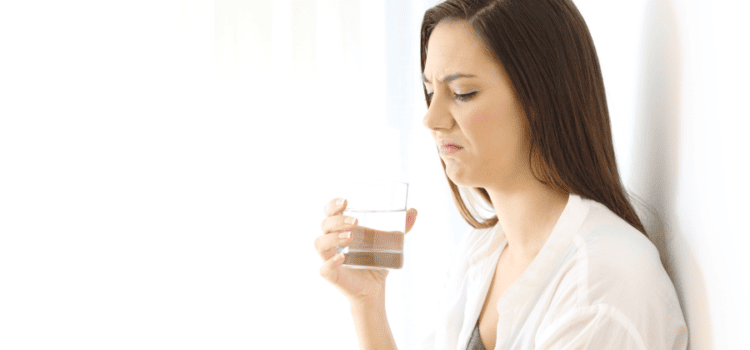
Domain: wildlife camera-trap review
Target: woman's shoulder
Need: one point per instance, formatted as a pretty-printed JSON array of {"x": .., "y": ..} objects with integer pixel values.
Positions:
[
  {"x": 614, "y": 266},
  {"x": 618, "y": 266},
  {"x": 610, "y": 246}
]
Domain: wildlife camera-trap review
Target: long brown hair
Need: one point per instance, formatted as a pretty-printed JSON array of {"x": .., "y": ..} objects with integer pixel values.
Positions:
[{"x": 547, "y": 51}]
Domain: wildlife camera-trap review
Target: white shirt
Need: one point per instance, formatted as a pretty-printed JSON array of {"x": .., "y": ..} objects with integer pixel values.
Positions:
[{"x": 597, "y": 283}]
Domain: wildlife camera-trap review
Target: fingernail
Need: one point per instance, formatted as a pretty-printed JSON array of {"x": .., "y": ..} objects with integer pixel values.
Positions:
[
  {"x": 345, "y": 234},
  {"x": 338, "y": 257},
  {"x": 340, "y": 201},
  {"x": 349, "y": 220}
]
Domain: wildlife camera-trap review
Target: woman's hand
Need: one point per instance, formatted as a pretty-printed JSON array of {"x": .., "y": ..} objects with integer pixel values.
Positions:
[{"x": 358, "y": 285}]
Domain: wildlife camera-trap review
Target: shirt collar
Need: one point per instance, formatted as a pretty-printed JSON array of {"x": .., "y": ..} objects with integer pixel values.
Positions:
[{"x": 558, "y": 241}]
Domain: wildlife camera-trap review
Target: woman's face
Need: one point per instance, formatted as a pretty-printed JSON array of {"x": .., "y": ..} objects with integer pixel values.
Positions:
[{"x": 473, "y": 105}]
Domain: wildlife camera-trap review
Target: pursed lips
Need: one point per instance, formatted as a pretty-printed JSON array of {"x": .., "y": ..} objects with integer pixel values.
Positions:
[
  {"x": 449, "y": 147},
  {"x": 446, "y": 143}
]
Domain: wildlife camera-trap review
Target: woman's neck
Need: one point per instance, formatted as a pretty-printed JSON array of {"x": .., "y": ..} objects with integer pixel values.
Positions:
[{"x": 527, "y": 213}]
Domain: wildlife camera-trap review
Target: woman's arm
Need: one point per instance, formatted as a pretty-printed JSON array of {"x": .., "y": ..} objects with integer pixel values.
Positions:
[{"x": 371, "y": 323}]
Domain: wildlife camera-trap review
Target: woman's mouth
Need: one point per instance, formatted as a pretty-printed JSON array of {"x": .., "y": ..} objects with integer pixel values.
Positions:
[{"x": 450, "y": 149}]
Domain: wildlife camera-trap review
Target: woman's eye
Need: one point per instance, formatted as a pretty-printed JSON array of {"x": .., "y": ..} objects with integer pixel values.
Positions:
[
  {"x": 460, "y": 97},
  {"x": 464, "y": 97}
]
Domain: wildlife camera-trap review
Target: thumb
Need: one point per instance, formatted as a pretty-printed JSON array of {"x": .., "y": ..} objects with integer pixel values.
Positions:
[{"x": 411, "y": 217}]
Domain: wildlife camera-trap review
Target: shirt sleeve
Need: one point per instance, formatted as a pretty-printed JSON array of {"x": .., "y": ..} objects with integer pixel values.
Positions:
[{"x": 592, "y": 327}]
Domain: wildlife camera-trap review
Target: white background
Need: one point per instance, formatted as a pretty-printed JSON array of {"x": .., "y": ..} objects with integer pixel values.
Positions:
[{"x": 164, "y": 164}]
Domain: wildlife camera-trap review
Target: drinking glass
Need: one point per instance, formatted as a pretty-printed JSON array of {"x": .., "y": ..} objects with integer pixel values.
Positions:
[{"x": 378, "y": 239}]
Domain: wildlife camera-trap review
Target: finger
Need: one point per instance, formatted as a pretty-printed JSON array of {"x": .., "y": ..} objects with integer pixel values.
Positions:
[
  {"x": 326, "y": 244},
  {"x": 411, "y": 217},
  {"x": 330, "y": 269},
  {"x": 335, "y": 206},
  {"x": 338, "y": 223}
]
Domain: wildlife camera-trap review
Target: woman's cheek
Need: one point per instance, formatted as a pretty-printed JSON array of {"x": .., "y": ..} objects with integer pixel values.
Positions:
[{"x": 478, "y": 121}]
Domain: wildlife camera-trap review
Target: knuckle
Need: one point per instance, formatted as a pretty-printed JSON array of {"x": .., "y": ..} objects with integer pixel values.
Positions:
[
  {"x": 320, "y": 244},
  {"x": 316, "y": 244}
]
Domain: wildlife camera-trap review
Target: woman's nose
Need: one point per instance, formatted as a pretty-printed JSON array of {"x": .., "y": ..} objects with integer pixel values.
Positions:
[{"x": 437, "y": 116}]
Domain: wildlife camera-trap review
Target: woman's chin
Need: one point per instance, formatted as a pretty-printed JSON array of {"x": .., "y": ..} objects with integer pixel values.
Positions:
[{"x": 457, "y": 176}]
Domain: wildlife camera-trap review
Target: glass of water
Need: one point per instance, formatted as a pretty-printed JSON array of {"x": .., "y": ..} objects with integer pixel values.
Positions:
[{"x": 378, "y": 239}]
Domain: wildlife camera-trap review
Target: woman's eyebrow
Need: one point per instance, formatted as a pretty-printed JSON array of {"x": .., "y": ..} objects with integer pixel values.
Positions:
[{"x": 449, "y": 78}]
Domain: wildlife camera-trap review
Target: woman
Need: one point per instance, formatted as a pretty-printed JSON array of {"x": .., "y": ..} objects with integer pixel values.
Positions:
[{"x": 517, "y": 108}]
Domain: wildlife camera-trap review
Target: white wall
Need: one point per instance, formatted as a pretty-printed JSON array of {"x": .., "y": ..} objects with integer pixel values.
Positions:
[
  {"x": 680, "y": 148},
  {"x": 695, "y": 180}
]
